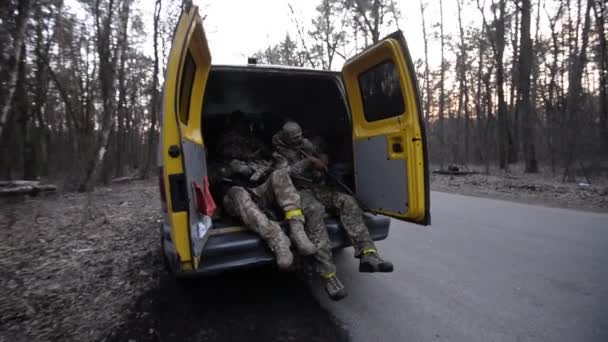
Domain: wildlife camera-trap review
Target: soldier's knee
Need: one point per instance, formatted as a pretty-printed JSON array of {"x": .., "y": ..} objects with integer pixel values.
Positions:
[
  {"x": 347, "y": 201},
  {"x": 316, "y": 208},
  {"x": 312, "y": 207},
  {"x": 278, "y": 173},
  {"x": 238, "y": 193}
]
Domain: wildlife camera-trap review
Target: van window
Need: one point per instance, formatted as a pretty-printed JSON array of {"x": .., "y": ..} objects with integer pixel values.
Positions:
[
  {"x": 185, "y": 89},
  {"x": 381, "y": 92}
]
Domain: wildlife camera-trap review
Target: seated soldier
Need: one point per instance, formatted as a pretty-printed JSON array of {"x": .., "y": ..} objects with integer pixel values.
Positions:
[
  {"x": 307, "y": 166},
  {"x": 240, "y": 177}
]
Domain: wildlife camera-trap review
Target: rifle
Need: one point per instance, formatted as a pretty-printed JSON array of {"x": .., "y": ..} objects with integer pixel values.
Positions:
[{"x": 338, "y": 181}]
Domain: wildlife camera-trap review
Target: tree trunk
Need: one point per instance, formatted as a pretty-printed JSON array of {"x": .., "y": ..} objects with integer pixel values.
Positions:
[
  {"x": 464, "y": 89},
  {"x": 523, "y": 99},
  {"x": 478, "y": 102},
  {"x": 427, "y": 79},
  {"x": 154, "y": 102},
  {"x": 441, "y": 133},
  {"x": 18, "y": 41},
  {"x": 575, "y": 90},
  {"x": 550, "y": 103},
  {"x": 503, "y": 127},
  {"x": 513, "y": 151},
  {"x": 599, "y": 9},
  {"x": 107, "y": 71}
]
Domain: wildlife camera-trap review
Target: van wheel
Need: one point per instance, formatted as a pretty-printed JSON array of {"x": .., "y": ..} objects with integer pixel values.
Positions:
[{"x": 162, "y": 252}]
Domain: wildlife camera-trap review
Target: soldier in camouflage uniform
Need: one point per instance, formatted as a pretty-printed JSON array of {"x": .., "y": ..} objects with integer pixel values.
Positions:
[
  {"x": 247, "y": 191},
  {"x": 306, "y": 166}
]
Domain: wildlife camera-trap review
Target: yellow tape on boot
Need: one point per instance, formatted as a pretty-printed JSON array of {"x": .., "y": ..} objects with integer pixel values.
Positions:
[
  {"x": 293, "y": 213},
  {"x": 328, "y": 275},
  {"x": 369, "y": 251}
]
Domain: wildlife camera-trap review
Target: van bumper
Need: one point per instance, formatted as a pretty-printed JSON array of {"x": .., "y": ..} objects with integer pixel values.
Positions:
[{"x": 241, "y": 250}]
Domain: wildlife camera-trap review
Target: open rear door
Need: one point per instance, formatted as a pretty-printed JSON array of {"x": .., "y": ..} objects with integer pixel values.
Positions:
[
  {"x": 183, "y": 152},
  {"x": 390, "y": 152}
]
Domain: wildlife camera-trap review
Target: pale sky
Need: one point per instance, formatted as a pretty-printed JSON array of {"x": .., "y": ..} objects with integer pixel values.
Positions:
[{"x": 238, "y": 28}]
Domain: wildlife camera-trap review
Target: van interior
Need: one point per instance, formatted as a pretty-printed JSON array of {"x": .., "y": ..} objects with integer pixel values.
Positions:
[{"x": 267, "y": 98}]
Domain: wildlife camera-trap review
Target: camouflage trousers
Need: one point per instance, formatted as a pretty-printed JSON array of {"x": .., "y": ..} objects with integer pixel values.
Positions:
[
  {"x": 248, "y": 204},
  {"x": 318, "y": 200}
]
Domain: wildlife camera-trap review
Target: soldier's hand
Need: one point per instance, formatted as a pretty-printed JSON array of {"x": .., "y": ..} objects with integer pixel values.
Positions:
[
  {"x": 241, "y": 168},
  {"x": 318, "y": 163}
]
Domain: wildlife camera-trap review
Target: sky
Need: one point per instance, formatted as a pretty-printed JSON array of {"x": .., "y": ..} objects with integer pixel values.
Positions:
[{"x": 238, "y": 28}]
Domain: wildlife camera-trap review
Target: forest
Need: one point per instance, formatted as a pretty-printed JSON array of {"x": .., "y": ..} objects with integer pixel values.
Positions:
[{"x": 81, "y": 81}]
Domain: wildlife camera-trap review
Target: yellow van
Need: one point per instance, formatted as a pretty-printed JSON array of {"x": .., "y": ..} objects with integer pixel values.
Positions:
[{"x": 369, "y": 114}]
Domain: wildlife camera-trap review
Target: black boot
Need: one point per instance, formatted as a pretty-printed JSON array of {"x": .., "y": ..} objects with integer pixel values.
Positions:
[
  {"x": 334, "y": 288},
  {"x": 372, "y": 262}
]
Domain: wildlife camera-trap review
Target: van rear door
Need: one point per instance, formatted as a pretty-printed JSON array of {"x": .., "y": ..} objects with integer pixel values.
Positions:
[
  {"x": 183, "y": 152},
  {"x": 389, "y": 142}
]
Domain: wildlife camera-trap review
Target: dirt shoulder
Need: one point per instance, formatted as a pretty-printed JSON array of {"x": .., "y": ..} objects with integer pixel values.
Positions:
[
  {"x": 71, "y": 264},
  {"x": 518, "y": 186},
  {"x": 77, "y": 267}
]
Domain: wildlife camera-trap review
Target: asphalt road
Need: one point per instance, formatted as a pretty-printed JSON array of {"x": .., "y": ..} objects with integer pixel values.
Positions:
[{"x": 486, "y": 270}]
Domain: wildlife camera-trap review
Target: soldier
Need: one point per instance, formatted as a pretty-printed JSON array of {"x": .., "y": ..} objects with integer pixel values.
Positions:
[
  {"x": 248, "y": 192},
  {"x": 306, "y": 165}
]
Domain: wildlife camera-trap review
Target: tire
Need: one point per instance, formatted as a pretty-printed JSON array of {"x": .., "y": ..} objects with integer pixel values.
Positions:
[{"x": 163, "y": 255}]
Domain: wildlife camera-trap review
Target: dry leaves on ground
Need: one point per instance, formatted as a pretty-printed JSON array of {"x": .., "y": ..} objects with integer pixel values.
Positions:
[{"x": 72, "y": 264}]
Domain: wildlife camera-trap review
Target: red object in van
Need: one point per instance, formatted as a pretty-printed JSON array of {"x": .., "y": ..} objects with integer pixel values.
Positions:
[{"x": 204, "y": 200}]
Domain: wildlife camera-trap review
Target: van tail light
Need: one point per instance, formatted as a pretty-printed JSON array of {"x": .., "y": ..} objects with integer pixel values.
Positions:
[
  {"x": 161, "y": 188},
  {"x": 204, "y": 200}
]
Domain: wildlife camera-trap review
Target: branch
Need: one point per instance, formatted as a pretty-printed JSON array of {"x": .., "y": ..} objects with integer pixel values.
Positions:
[
  {"x": 485, "y": 23},
  {"x": 361, "y": 11},
  {"x": 301, "y": 35}
]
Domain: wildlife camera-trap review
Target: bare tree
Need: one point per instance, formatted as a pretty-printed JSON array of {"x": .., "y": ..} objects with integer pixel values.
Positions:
[
  {"x": 17, "y": 49},
  {"x": 441, "y": 132},
  {"x": 496, "y": 35},
  {"x": 427, "y": 71},
  {"x": 575, "y": 90},
  {"x": 601, "y": 11},
  {"x": 107, "y": 77},
  {"x": 463, "y": 100},
  {"x": 329, "y": 32},
  {"x": 523, "y": 92},
  {"x": 155, "y": 96}
]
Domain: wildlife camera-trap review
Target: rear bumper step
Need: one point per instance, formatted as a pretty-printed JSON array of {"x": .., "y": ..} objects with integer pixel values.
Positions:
[{"x": 245, "y": 249}]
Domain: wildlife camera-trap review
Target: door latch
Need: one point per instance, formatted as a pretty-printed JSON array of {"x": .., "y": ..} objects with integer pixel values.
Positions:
[{"x": 174, "y": 151}]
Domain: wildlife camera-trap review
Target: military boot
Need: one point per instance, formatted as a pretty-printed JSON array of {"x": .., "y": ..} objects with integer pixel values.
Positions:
[
  {"x": 280, "y": 245},
  {"x": 334, "y": 287},
  {"x": 299, "y": 237},
  {"x": 372, "y": 262}
]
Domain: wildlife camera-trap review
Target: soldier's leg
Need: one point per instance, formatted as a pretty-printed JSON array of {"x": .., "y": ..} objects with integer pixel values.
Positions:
[
  {"x": 314, "y": 212},
  {"x": 238, "y": 203},
  {"x": 351, "y": 217},
  {"x": 324, "y": 265},
  {"x": 279, "y": 189}
]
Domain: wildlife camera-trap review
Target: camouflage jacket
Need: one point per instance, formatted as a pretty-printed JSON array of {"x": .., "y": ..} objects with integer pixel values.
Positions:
[
  {"x": 294, "y": 158},
  {"x": 234, "y": 145}
]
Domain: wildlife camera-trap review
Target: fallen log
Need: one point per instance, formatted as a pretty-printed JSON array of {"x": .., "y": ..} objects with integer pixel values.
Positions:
[
  {"x": 123, "y": 180},
  {"x": 454, "y": 173},
  {"x": 16, "y": 183},
  {"x": 26, "y": 190}
]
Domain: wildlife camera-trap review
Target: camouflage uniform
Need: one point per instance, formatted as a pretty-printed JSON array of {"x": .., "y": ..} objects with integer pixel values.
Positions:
[
  {"x": 317, "y": 198},
  {"x": 247, "y": 203},
  {"x": 249, "y": 194}
]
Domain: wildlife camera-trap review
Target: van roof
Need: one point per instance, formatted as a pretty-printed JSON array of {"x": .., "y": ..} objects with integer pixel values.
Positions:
[{"x": 272, "y": 68}]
